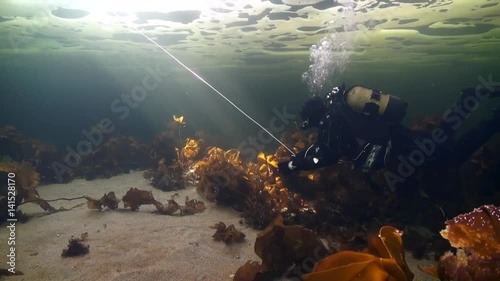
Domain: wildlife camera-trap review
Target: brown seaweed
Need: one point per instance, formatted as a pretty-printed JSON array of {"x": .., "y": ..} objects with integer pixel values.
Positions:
[
  {"x": 166, "y": 177},
  {"x": 26, "y": 181},
  {"x": 280, "y": 247},
  {"x": 164, "y": 143},
  {"x": 169, "y": 209},
  {"x": 223, "y": 177},
  {"x": 118, "y": 155},
  {"x": 136, "y": 197},
  {"x": 478, "y": 231},
  {"x": 476, "y": 235},
  {"x": 193, "y": 206},
  {"x": 248, "y": 271},
  {"x": 75, "y": 248},
  {"x": 227, "y": 234},
  {"x": 24, "y": 149},
  {"x": 109, "y": 200}
]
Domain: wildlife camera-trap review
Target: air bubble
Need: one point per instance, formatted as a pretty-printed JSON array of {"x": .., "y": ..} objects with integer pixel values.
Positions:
[{"x": 331, "y": 55}]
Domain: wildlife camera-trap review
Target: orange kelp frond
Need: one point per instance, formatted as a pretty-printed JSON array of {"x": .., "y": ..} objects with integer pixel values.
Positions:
[
  {"x": 233, "y": 157},
  {"x": 201, "y": 168},
  {"x": 179, "y": 120},
  {"x": 215, "y": 153},
  {"x": 391, "y": 238},
  {"x": 191, "y": 149},
  {"x": 222, "y": 175},
  {"x": 349, "y": 265},
  {"x": 267, "y": 159},
  {"x": 385, "y": 261}
]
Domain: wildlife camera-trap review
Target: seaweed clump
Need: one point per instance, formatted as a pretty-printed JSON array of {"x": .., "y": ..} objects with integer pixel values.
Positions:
[
  {"x": 109, "y": 200},
  {"x": 255, "y": 189},
  {"x": 480, "y": 177},
  {"x": 327, "y": 200},
  {"x": 168, "y": 209},
  {"x": 193, "y": 206},
  {"x": 227, "y": 234},
  {"x": 166, "y": 177},
  {"x": 116, "y": 156},
  {"x": 384, "y": 259},
  {"x": 16, "y": 147},
  {"x": 171, "y": 172},
  {"x": 287, "y": 251},
  {"x": 476, "y": 236},
  {"x": 26, "y": 180},
  {"x": 134, "y": 198},
  {"x": 75, "y": 248},
  {"x": 341, "y": 202},
  {"x": 279, "y": 248},
  {"x": 222, "y": 176},
  {"x": 164, "y": 144}
]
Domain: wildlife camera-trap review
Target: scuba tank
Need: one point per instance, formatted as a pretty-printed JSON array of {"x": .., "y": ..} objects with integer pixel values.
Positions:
[{"x": 369, "y": 102}]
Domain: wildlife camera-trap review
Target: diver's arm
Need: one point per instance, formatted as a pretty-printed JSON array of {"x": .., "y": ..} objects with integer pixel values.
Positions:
[
  {"x": 314, "y": 157},
  {"x": 319, "y": 154}
]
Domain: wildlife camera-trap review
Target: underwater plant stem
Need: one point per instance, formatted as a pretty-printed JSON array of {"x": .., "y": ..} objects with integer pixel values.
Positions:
[
  {"x": 52, "y": 200},
  {"x": 180, "y": 138},
  {"x": 210, "y": 86}
]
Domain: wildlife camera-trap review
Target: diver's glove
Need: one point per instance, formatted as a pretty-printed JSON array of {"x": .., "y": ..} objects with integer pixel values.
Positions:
[{"x": 287, "y": 167}]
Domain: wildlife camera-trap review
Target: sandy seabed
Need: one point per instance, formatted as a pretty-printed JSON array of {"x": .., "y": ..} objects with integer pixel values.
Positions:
[{"x": 127, "y": 245}]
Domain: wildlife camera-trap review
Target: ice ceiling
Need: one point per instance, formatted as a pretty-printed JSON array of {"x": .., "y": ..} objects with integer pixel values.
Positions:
[{"x": 243, "y": 30}]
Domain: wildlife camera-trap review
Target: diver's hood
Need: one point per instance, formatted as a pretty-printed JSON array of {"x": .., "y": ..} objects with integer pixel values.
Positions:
[{"x": 313, "y": 109}]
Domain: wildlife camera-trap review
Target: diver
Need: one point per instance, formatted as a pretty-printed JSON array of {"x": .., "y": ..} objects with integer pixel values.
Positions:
[{"x": 363, "y": 126}]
